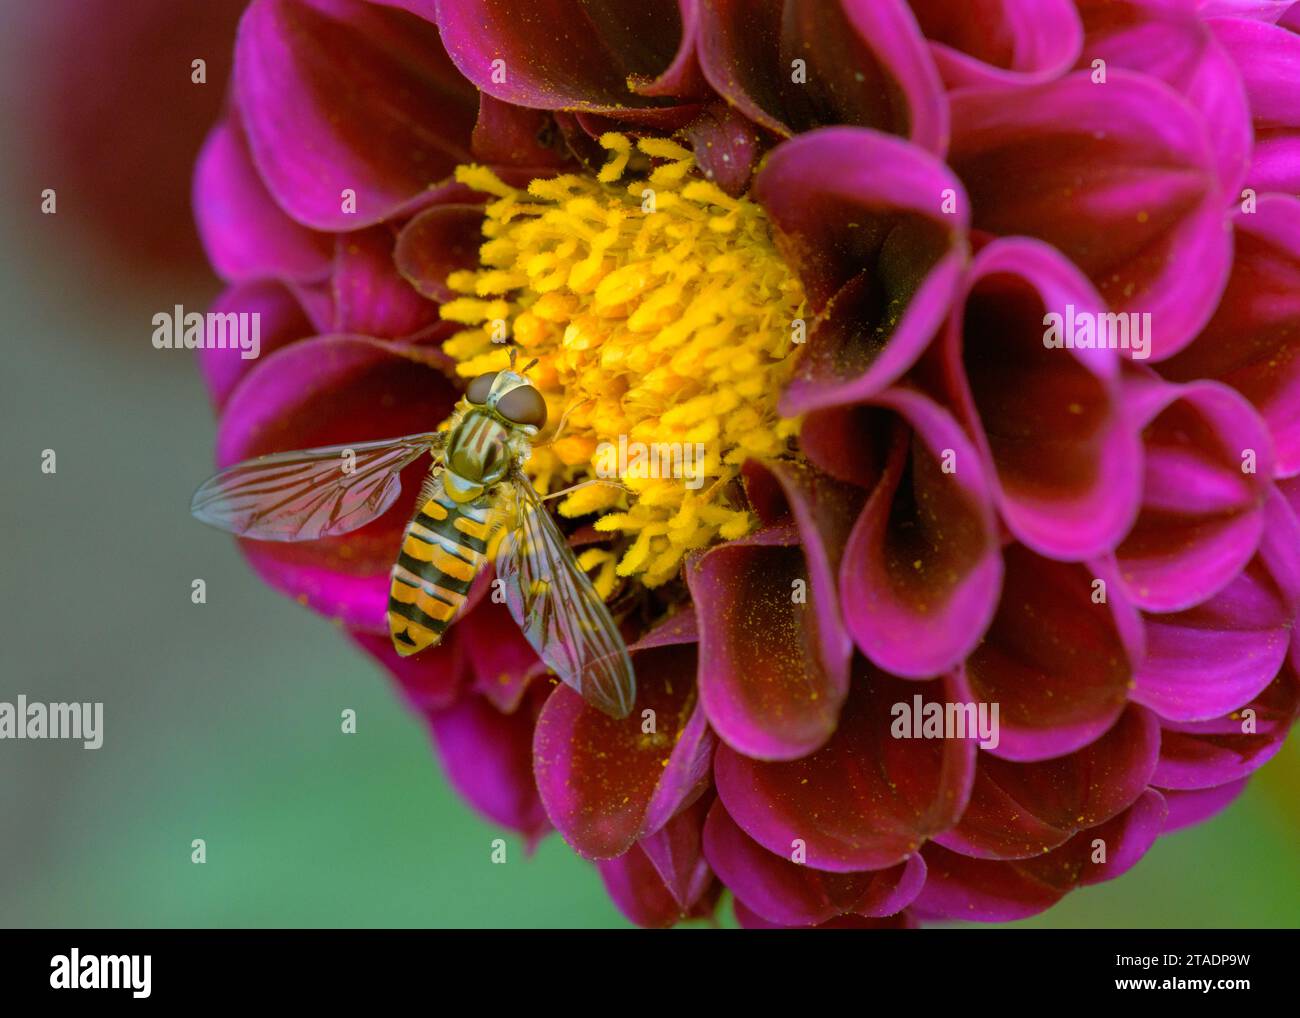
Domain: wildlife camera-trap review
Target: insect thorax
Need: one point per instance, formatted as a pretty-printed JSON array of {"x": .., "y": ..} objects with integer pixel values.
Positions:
[{"x": 481, "y": 451}]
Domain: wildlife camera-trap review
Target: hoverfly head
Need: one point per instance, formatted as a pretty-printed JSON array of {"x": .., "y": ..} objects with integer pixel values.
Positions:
[{"x": 511, "y": 396}]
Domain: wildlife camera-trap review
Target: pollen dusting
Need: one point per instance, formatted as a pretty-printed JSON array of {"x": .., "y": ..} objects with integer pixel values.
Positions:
[{"x": 662, "y": 319}]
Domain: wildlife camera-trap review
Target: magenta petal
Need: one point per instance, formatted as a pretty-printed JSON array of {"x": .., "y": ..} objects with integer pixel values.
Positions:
[
  {"x": 1187, "y": 809},
  {"x": 1270, "y": 11},
  {"x": 793, "y": 894},
  {"x": 1127, "y": 838},
  {"x": 866, "y": 64},
  {"x": 341, "y": 95},
  {"x": 1015, "y": 41},
  {"x": 244, "y": 232},
  {"x": 281, "y": 321},
  {"x": 1058, "y": 662},
  {"x": 1020, "y": 810},
  {"x": 317, "y": 299},
  {"x": 1204, "y": 754},
  {"x": 774, "y": 663},
  {"x": 1173, "y": 42},
  {"x": 487, "y": 756},
  {"x": 370, "y": 298},
  {"x": 923, "y": 566},
  {"x": 1052, "y": 421},
  {"x": 1119, "y": 177},
  {"x": 1268, "y": 60},
  {"x": 1253, "y": 341},
  {"x": 1280, "y": 546},
  {"x": 1211, "y": 659},
  {"x": 865, "y": 800},
  {"x": 565, "y": 54},
  {"x": 333, "y": 390},
  {"x": 1276, "y": 162},
  {"x": 983, "y": 890},
  {"x": 878, "y": 256},
  {"x": 1202, "y": 516}
]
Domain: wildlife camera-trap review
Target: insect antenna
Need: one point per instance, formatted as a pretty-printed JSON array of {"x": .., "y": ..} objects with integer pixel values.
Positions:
[
  {"x": 564, "y": 419},
  {"x": 612, "y": 482}
]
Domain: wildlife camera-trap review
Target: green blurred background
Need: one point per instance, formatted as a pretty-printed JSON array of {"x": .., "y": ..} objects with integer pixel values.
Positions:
[{"x": 222, "y": 720}]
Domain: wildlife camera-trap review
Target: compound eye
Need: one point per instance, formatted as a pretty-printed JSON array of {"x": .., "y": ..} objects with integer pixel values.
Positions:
[
  {"x": 523, "y": 405},
  {"x": 480, "y": 388}
]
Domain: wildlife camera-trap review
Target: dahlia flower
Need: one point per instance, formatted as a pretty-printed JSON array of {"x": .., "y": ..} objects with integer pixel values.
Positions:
[{"x": 820, "y": 242}]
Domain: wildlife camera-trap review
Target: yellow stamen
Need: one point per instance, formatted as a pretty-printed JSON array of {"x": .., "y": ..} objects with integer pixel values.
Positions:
[{"x": 661, "y": 313}]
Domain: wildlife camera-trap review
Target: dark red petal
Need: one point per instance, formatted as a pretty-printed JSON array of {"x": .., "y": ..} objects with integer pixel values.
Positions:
[
  {"x": 1058, "y": 663},
  {"x": 865, "y": 800},
  {"x": 1186, "y": 809},
  {"x": 676, "y": 851},
  {"x": 793, "y": 894},
  {"x": 726, "y": 145},
  {"x": 565, "y": 54},
  {"x": 516, "y": 136},
  {"x": 1211, "y": 659},
  {"x": 1174, "y": 42},
  {"x": 597, "y": 775},
  {"x": 503, "y": 662},
  {"x": 1019, "y": 810},
  {"x": 1017, "y": 41},
  {"x": 439, "y": 241},
  {"x": 774, "y": 657},
  {"x": 866, "y": 64},
  {"x": 959, "y": 887}
]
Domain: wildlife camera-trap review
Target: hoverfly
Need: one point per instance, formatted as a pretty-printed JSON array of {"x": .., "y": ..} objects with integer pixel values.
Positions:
[{"x": 476, "y": 492}]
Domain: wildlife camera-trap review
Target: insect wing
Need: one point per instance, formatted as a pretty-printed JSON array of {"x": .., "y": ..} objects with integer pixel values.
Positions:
[
  {"x": 559, "y": 610},
  {"x": 312, "y": 493}
]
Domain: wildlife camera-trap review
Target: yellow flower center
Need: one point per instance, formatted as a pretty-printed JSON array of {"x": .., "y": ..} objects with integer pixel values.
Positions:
[{"x": 663, "y": 321}]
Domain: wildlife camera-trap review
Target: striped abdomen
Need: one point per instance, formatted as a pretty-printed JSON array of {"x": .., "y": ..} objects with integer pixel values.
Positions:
[{"x": 444, "y": 548}]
